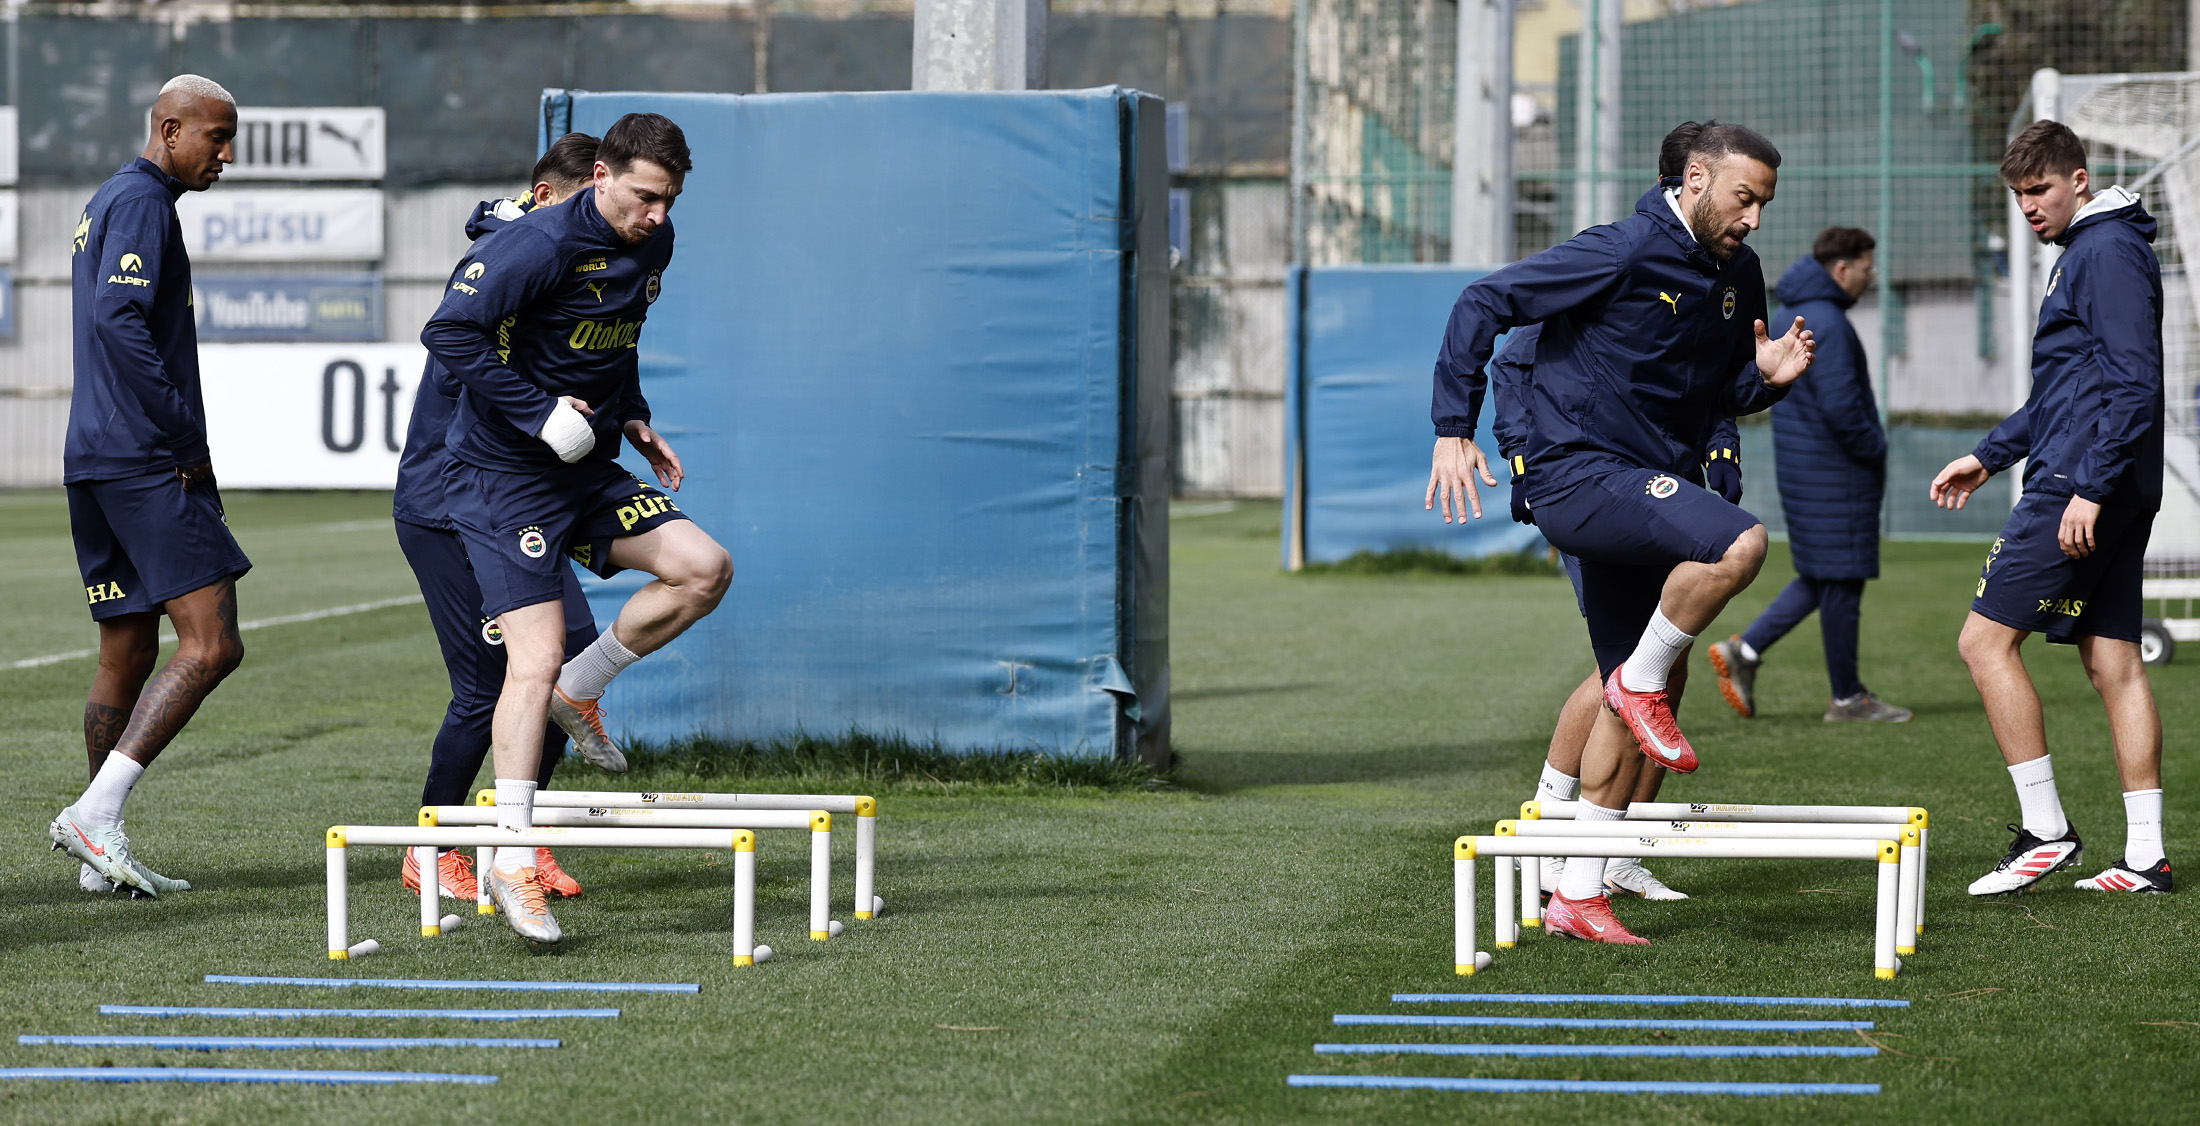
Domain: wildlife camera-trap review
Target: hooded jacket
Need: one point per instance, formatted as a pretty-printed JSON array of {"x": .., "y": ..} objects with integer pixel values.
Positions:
[
  {"x": 419, "y": 495},
  {"x": 1509, "y": 376},
  {"x": 1828, "y": 449},
  {"x": 1646, "y": 342},
  {"x": 2093, "y": 423},
  {"x": 136, "y": 407}
]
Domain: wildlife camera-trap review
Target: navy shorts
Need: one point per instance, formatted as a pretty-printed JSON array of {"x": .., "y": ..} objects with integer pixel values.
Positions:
[
  {"x": 141, "y": 541},
  {"x": 2029, "y": 584},
  {"x": 519, "y": 528},
  {"x": 472, "y": 646},
  {"x": 1627, "y": 531}
]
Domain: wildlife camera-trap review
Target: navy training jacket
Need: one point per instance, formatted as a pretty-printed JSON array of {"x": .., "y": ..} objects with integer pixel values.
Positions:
[
  {"x": 136, "y": 407},
  {"x": 1828, "y": 449},
  {"x": 553, "y": 305},
  {"x": 419, "y": 495},
  {"x": 2093, "y": 423},
  {"x": 1509, "y": 374},
  {"x": 1646, "y": 341}
]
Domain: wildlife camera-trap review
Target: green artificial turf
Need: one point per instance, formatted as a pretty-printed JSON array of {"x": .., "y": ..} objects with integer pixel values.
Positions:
[{"x": 1097, "y": 953}]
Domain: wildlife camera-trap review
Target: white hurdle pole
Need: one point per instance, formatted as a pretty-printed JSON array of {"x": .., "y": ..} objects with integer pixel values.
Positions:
[
  {"x": 818, "y": 822},
  {"x": 1462, "y": 920},
  {"x": 1886, "y": 852},
  {"x": 1910, "y": 877},
  {"x": 339, "y": 899},
  {"x": 483, "y": 857},
  {"x": 1506, "y": 932},
  {"x": 340, "y": 837},
  {"x": 1899, "y": 815},
  {"x": 863, "y": 806},
  {"x": 431, "y": 884},
  {"x": 1531, "y": 893}
]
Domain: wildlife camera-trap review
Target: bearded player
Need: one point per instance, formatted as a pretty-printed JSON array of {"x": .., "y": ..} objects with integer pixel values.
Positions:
[{"x": 1647, "y": 340}]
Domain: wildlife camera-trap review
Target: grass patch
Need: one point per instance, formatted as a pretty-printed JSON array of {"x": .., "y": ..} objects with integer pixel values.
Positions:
[
  {"x": 863, "y": 761},
  {"x": 1430, "y": 561}
]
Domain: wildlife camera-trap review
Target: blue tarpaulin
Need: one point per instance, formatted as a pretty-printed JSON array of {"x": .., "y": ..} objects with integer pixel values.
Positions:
[
  {"x": 1362, "y": 348},
  {"x": 912, "y": 349}
]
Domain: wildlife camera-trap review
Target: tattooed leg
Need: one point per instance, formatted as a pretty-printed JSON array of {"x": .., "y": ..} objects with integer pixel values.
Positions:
[
  {"x": 127, "y": 648},
  {"x": 207, "y": 649}
]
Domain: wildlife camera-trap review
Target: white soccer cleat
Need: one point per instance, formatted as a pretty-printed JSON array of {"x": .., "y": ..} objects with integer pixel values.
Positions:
[
  {"x": 105, "y": 847},
  {"x": 89, "y": 879},
  {"x": 2123, "y": 877},
  {"x": 583, "y": 722},
  {"x": 1629, "y": 877},
  {"x": 2029, "y": 861},
  {"x": 519, "y": 895},
  {"x": 161, "y": 884}
]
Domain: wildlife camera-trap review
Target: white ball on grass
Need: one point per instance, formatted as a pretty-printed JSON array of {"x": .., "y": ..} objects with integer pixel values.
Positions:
[
  {"x": 878, "y": 906},
  {"x": 763, "y": 954},
  {"x": 833, "y": 927},
  {"x": 451, "y": 923},
  {"x": 1481, "y": 960},
  {"x": 364, "y": 948}
]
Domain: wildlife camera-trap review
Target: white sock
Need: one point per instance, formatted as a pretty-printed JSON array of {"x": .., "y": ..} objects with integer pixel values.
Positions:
[
  {"x": 1584, "y": 878},
  {"x": 2143, "y": 829},
  {"x": 1748, "y": 654},
  {"x": 1662, "y": 643},
  {"x": 2041, "y": 806},
  {"x": 1556, "y": 786},
  {"x": 515, "y": 810},
  {"x": 102, "y": 800},
  {"x": 587, "y": 675}
]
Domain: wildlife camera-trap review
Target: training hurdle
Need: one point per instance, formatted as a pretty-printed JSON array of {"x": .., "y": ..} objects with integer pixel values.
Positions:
[
  {"x": 427, "y": 838},
  {"x": 862, "y": 806},
  {"x": 817, "y": 821},
  {"x": 1505, "y": 848},
  {"x": 1909, "y": 880},
  {"x": 1900, "y": 815}
]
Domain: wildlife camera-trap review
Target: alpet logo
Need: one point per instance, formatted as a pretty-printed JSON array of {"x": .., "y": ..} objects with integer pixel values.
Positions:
[
  {"x": 531, "y": 543},
  {"x": 130, "y": 264},
  {"x": 1662, "y": 486}
]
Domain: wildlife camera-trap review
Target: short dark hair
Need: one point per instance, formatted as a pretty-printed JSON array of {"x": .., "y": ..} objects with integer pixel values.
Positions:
[
  {"x": 2044, "y": 148},
  {"x": 1835, "y": 244},
  {"x": 569, "y": 162},
  {"x": 1673, "y": 152},
  {"x": 645, "y": 136},
  {"x": 1718, "y": 140}
]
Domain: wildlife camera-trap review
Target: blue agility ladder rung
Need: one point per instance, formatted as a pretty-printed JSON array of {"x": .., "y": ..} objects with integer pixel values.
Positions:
[
  {"x": 236, "y": 1075},
  {"x": 429, "y": 983},
  {"x": 279, "y": 1043},
  {"x": 1603, "y": 1022},
  {"x": 392, "y": 1014},
  {"x": 1664, "y": 1051},
  {"x": 1652, "y": 999},
  {"x": 1579, "y": 1086}
]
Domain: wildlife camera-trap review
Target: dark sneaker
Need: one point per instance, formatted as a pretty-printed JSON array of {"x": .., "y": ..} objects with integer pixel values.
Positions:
[
  {"x": 1737, "y": 675},
  {"x": 2029, "y": 861},
  {"x": 1865, "y": 708},
  {"x": 2123, "y": 877}
]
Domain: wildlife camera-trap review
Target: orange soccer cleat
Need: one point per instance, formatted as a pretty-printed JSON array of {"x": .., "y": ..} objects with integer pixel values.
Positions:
[
  {"x": 1649, "y": 717},
  {"x": 554, "y": 878},
  {"x": 455, "y": 875},
  {"x": 1588, "y": 919}
]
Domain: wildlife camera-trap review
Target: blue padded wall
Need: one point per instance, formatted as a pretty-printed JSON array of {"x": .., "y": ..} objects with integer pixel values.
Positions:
[
  {"x": 1363, "y": 342},
  {"x": 902, "y": 352}
]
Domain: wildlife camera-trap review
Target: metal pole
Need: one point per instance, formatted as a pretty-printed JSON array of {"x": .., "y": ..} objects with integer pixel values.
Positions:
[
  {"x": 1482, "y": 136},
  {"x": 1587, "y": 55},
  {"x": 1887, "y": 310},
  {"x": 1301, "y": 13}
]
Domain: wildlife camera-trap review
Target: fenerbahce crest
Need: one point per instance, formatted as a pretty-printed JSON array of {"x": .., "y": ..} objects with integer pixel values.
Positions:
[
  {"x": 1662, "y": 486},
  {"x": 531, "y": 543},
  {"x": 1726, "y": 304}
]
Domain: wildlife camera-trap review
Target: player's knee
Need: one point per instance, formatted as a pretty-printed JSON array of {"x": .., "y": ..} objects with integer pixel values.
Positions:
[
  {"x": 220, "y": 654},
  {"x": 1747, "y": 553},
  {"x": 1982, "y": 645},
  {"x": 705, "y": 574}
]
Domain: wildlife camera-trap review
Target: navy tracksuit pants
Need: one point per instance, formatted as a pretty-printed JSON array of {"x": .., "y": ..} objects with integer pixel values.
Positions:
[{"x": 1839, "y": 602}]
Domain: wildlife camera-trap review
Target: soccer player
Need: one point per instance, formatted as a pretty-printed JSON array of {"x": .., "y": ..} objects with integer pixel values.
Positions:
[
  {"x": 150, "y": 535},
  {"x": 1831, "y": 461},
  {"x": 1646, "y": 341},
  {"x": 1722, "y": 474},
  {"x": 540, "y": 326},
  {"x": 2069, "y": 561},
  {"x": 473, "y": 650}
]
